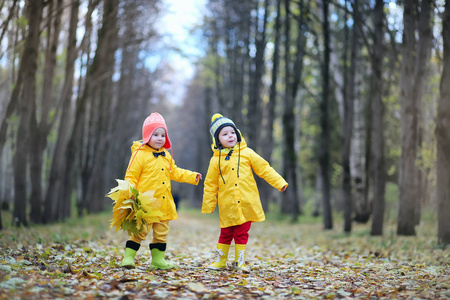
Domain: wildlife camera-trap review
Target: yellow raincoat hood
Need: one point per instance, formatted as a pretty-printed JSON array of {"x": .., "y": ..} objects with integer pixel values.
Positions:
[
  {"x": 148, "y": 172},
  {"x": 237, "y": 193}
]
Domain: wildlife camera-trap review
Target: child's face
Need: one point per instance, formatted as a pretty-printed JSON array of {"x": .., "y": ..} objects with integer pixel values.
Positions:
[
  {"x": 158, "y": 138},
  {"x": 228, "y": 137}
]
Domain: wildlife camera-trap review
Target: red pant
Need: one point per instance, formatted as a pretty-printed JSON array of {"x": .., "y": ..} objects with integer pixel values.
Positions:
[{"x": 238, "y": 232}]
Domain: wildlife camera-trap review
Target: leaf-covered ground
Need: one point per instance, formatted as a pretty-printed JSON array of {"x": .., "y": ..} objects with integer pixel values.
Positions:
[{"x": 79, "y": 260}]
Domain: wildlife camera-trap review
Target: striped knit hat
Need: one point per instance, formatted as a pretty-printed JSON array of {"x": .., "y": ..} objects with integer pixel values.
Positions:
[{"x": 217, "y": 123}]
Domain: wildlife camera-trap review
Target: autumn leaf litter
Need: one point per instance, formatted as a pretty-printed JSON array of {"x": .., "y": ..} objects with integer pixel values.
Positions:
[{"x": 287, "y": 262}]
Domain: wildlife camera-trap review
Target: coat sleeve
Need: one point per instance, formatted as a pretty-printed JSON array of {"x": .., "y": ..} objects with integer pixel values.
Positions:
[
  {"x": 211, "y": 188},
  {"x": 182, "y": 175},
  {"x": 134, "y": 169},
  {"x": 263, "y": 169}
]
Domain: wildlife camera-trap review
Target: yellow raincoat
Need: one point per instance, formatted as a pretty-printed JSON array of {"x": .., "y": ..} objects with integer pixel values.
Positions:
[
  {"x": 148, "y": 172},
  {"x": 238, "y": 197}
]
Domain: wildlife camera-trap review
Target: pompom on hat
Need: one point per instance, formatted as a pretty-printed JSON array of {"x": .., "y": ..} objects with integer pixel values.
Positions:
[
  {"x": 218, "y": 122},
  {"x": 151, "y": 123}
]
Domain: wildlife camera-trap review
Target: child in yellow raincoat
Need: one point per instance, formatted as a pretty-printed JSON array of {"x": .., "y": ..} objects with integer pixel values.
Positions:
[
  {"x": 230, "y": 183},
  {"x": 151, "y": 167}
]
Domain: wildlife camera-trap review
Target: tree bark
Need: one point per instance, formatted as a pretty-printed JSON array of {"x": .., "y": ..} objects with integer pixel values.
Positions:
[
  {"x": 270, "y": 109},
  {"x": 324, "y": 152},
  {"x": 415, "y": 60},
  {"x": 44, "y": 125},
  {"x": 256, "y": 73},
  {"x": 54, "y": 193},
  {"x": 25, "y": 110},
  {"x": 290, "y": 199},
  {"x": 347, "y": 125},
  {"x": 378, "y": 118},
  {"x": 443, "y": 137},
  {"x": 101, "y": 96}
]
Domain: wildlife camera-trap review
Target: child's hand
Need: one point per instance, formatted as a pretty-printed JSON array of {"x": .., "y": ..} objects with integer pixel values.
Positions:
[
  {"x": 284, "y": 188},
  {"x": 199, "y": 177}
]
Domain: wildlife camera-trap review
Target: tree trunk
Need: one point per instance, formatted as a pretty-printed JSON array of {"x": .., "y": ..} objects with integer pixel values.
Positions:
[
  {"x": 269, "y": 118},
  {"x": 420, "y": 75},
  {"x": 44, "y": 125},
  {"x": 347, "y": 125},
  {"x": 443, "y": 138},
  {"x": 324, "y": 154},
  {"x": 26, "y": 107},
  {"x": 55, "y": 187},
  {"x": 408, "y": 170},
  {"x": 378, "y": 119},
  {"x": 291, "y": 203},
  {"x": 101, "y": 95},
  {"x": 12, "y": 104},
  {"x": 415, "y": 60},
  {"x": 73, "y": 151},
  {"x": 256, "y": 73}
]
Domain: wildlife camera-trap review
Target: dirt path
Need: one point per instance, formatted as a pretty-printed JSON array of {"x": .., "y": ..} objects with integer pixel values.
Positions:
[{"x": 287, "y": 262}]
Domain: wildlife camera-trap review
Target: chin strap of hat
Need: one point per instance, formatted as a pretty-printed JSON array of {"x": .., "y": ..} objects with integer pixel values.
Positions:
[
  {"x": 134, "y": 156},
  {"x": 220, "y": 170}
]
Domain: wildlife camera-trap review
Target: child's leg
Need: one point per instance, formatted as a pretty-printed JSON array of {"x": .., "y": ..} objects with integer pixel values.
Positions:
[
  {"x": 222, "y": 248},
  {"x": 131, "y": 248},
  {"x": 158, "y": 246},
  {"x": 240, "y": 233},
  {"x": 226, "y": 235},
  {"x": 240, "y": 239}
]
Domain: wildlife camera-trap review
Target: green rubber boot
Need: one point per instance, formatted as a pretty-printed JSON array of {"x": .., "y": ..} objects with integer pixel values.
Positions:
[
  {"x": 130, "y": 252},
  {"x": 158, "y": 261}
]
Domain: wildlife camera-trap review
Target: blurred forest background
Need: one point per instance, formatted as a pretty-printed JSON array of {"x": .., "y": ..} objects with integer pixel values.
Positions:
[{"x": 348, "y": 99}]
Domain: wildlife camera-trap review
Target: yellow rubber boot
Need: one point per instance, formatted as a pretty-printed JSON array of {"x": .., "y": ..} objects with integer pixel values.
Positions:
[
  {"x": 239, "y": 258},
  {"x": 220, "y": 257}
]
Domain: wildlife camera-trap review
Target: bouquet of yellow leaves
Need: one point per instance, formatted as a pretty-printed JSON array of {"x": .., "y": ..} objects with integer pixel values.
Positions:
[{"x": 132, "y": 209}]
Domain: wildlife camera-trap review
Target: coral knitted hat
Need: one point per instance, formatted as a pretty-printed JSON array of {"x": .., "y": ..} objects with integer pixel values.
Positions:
[
  {"x": 151, "y": 123},
  {"x": 217, "y": 123}
]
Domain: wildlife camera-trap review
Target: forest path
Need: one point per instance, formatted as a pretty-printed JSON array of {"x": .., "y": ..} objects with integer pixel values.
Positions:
[{"x": 288, "y": 261}]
